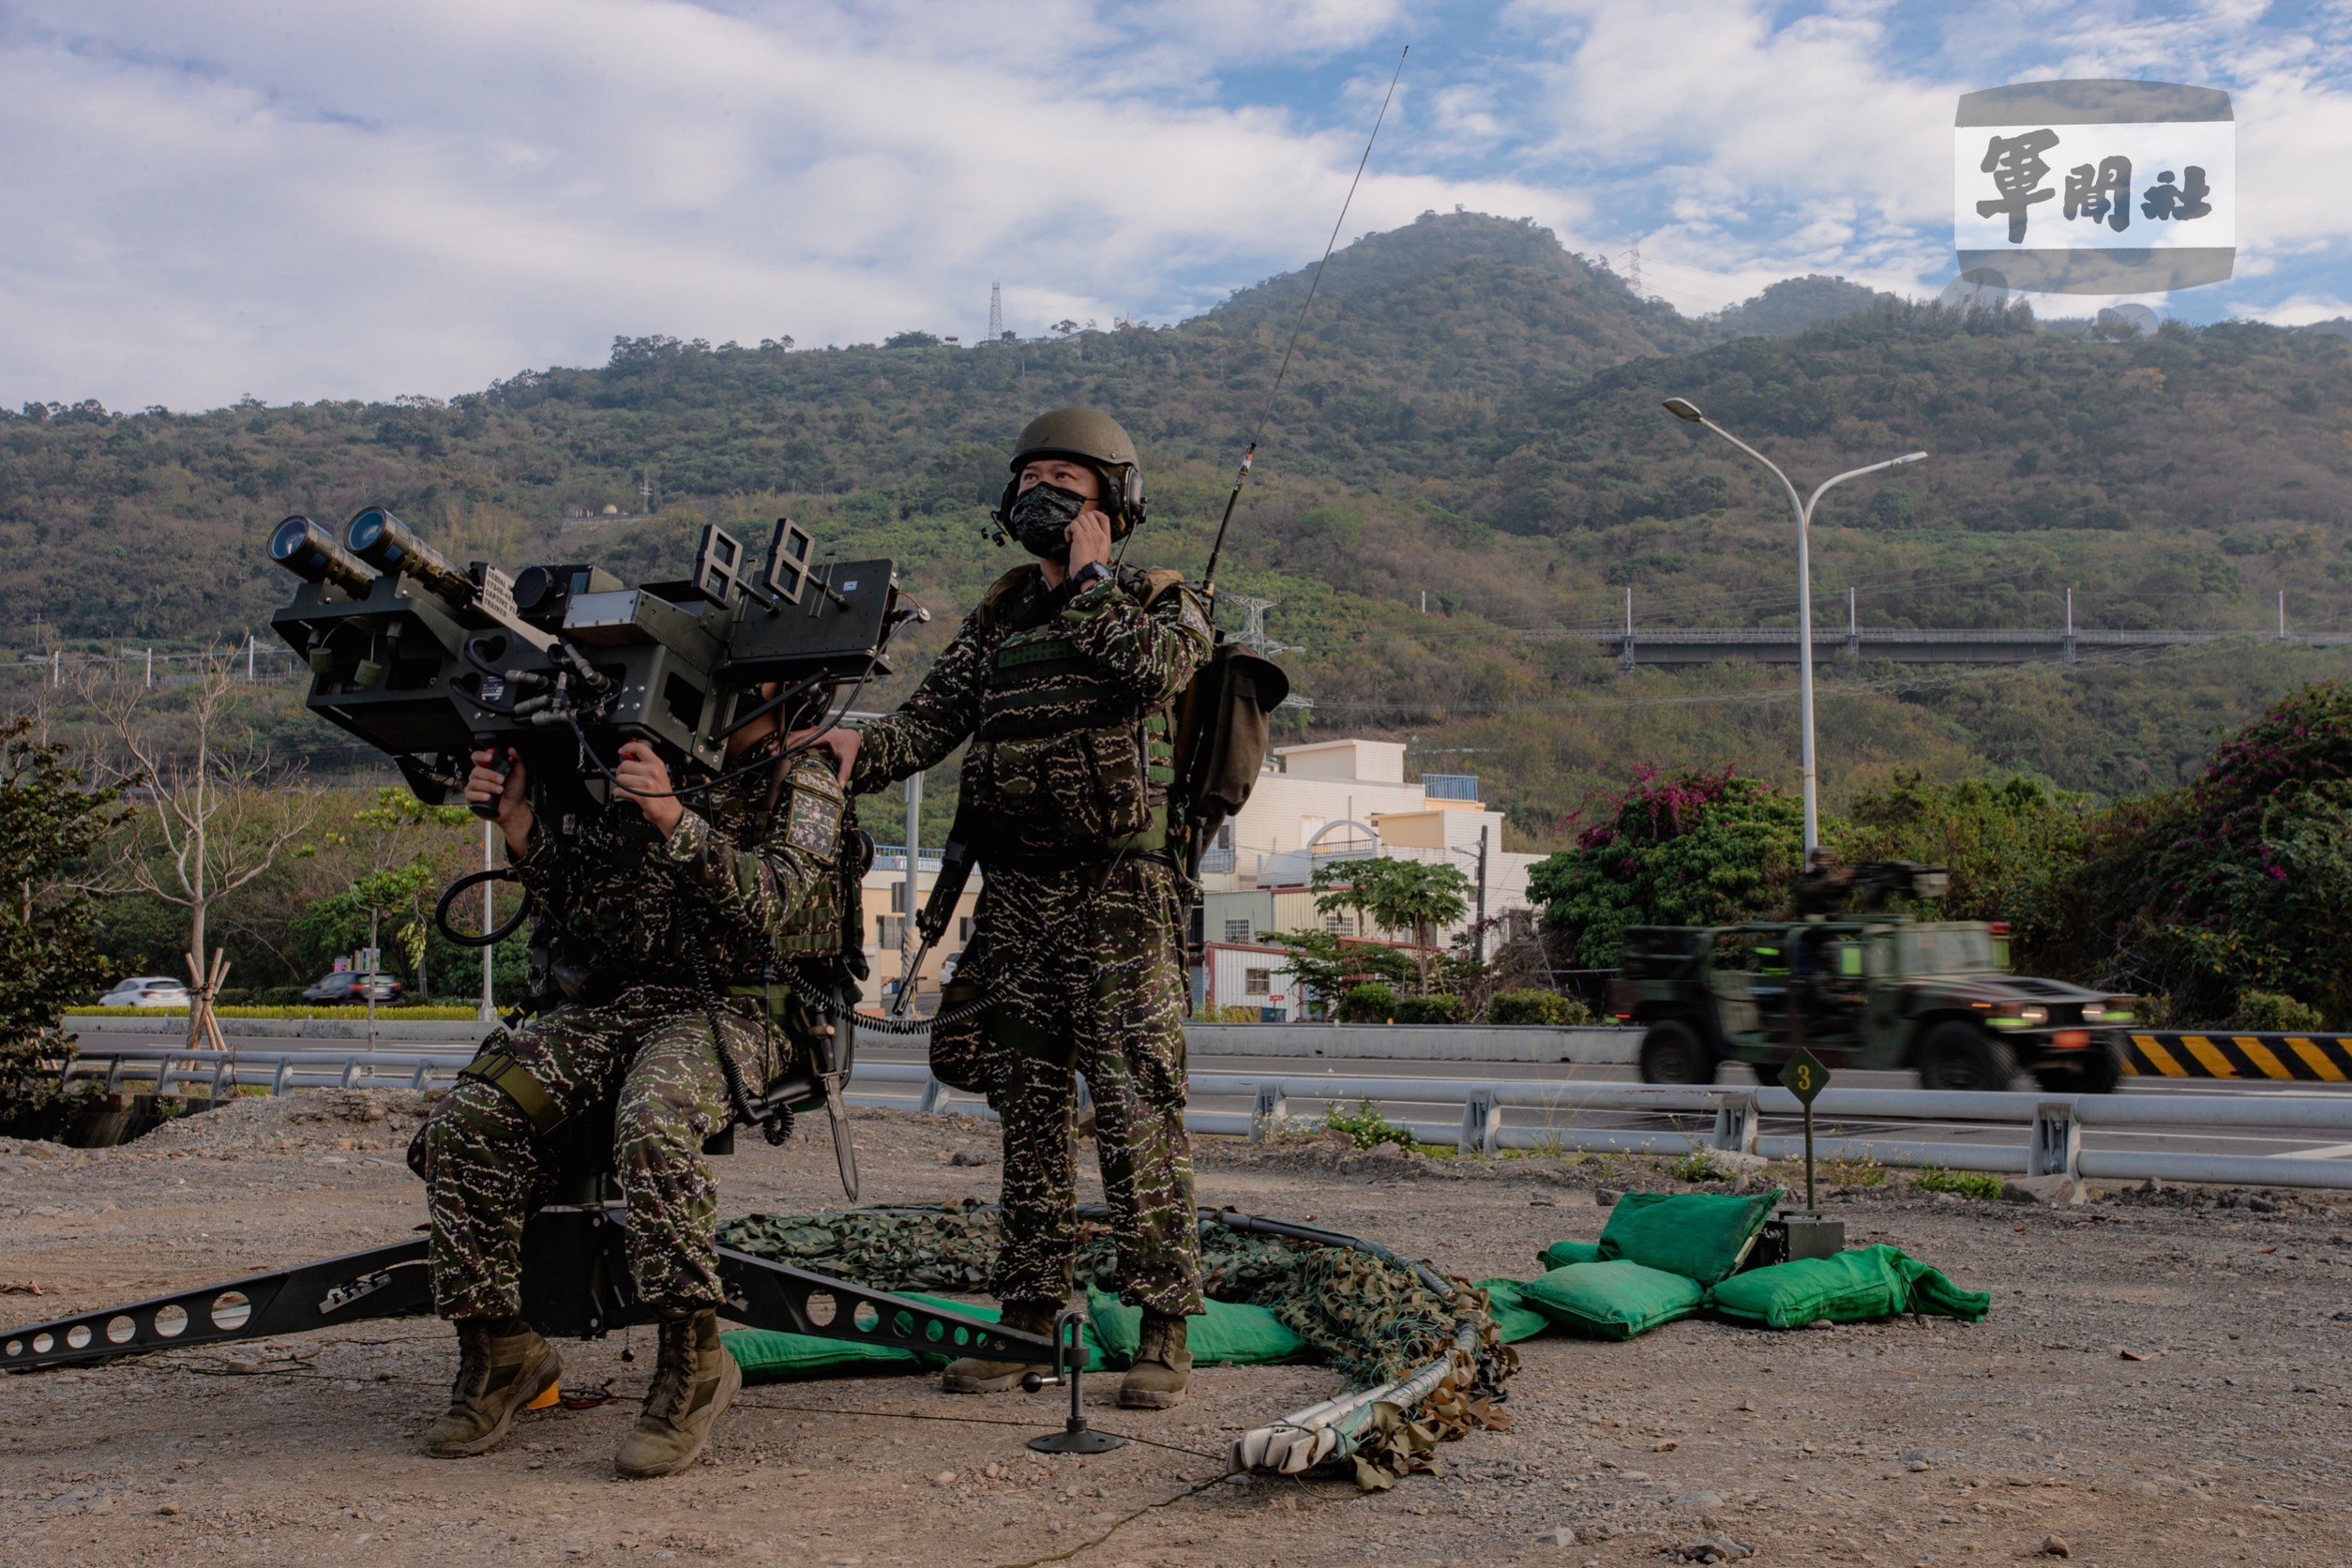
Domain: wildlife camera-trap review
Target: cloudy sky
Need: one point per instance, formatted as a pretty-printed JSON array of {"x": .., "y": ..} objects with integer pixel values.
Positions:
[{"x": 367, "y": 198}]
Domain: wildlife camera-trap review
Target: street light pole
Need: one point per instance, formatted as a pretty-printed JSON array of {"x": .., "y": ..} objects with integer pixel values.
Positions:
[{"x": 1686, "y": 411}]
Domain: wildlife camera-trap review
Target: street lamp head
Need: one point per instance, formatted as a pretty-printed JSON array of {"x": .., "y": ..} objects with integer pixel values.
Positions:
[
  {"x": 1687, "y": 411},
  {"x": 1907, "y": 457}
]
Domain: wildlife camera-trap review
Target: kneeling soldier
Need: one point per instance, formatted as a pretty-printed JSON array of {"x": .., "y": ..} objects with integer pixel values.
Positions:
[{"x": 652, "y": 941}]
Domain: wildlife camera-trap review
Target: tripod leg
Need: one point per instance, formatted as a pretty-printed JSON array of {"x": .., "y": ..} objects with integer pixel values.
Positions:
[{"x": 382, "y": 1282}]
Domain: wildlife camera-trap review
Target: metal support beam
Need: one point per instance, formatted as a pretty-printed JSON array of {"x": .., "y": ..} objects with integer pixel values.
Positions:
[
  {"x": 1736, "y": 1125},
  {"x": 2055, "y": 1146},
  {"x": 1481, "y": 1123},
  {"x": 1270, "y": 1115}
]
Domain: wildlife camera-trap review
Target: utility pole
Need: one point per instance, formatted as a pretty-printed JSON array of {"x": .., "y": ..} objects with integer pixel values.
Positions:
[
  {"x": 249, "y": 659},
  {"x": 645, "y": 488},
  {"x": 1478, "y": 949},
  {"x": 2281, "y": 614},
  {"x": 367, "y": 978},
  {"x": 490, "y": 922},
  {"x": 2070, "y": 625},
  {"x": 909, "y": 982}
]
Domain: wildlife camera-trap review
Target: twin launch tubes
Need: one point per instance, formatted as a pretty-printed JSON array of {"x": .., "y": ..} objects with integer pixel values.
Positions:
[{"x": 374, "y": 542}]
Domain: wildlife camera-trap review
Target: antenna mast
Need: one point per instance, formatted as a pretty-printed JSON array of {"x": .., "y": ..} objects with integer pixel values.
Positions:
[
  {"x": 996, "y": 312},
  {"x": 1209, "y": 578}
]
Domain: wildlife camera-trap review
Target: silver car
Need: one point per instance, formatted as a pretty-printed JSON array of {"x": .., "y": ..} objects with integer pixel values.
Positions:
[{"x": 148, "y": 990}]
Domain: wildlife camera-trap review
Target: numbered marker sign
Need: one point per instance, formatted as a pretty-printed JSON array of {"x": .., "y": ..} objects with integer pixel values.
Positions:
[
  {"x": 1804, "y": 1077},
  {"x": 2096, "y": 187}
]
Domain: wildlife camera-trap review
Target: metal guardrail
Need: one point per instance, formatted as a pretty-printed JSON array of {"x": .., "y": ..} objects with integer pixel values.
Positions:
[{"x": 1729, "y": 1120}]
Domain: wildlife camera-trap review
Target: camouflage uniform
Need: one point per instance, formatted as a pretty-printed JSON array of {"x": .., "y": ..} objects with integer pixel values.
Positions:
[
  {"x": 732, "y": 885},
  {"x": 1078, "y": 933}
]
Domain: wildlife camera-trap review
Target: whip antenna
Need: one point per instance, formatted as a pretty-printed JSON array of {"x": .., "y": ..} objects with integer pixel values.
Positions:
[{"x": 1209, "y": 579}]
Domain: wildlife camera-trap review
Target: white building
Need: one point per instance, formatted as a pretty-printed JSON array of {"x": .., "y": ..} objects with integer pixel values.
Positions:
[
  {"x": 1251, "y": 976},
  {"x": 1348, "y": 800},
  {"x": 884, "y": 917}
]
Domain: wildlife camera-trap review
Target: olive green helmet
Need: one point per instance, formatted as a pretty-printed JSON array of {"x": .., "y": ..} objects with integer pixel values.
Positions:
[{"x": 1089, "y": 436}]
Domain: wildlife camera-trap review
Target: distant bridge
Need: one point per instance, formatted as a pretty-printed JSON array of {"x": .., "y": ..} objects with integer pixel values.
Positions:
[{"x": 1645, "y": 645}]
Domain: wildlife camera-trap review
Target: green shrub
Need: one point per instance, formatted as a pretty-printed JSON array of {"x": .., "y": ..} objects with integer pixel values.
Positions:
[
  {"x": 1702, "y": 1164},
  {"x": 1979, "y": 1184},
  {"x": 1370, "y": 1003},
  {"x": 1367, "y": 1128},
  {"x": 2276, "y": 1013},
  {"x": 1542, "y": 1007},
  {"x": 1431, "y": 1009}
]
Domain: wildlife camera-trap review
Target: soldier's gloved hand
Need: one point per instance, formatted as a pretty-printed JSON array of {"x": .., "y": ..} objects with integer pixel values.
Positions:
[
  {"x": 843, "y": 744},
  {"x": 485, "y": 784},
  {"x": 645, "y": 779}
]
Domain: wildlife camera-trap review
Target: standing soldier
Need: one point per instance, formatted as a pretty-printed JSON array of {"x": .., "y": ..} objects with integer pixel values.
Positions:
[
  {"x": 1064, "y": 679},
  {"x": 662, "y": 951}
]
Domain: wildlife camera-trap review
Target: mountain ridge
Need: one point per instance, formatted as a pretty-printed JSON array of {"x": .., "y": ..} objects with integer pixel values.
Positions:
[{"x": 1472, "y": 415}]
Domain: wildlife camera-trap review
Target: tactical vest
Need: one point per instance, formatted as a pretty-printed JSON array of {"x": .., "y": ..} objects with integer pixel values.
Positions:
[{"x": 1066, "y": 760}]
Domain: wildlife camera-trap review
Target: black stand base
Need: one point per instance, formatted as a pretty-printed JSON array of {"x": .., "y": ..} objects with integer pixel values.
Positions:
[
  {"x": 1075, "y": 1436},
  {"x": 1080, "y": 1439}
]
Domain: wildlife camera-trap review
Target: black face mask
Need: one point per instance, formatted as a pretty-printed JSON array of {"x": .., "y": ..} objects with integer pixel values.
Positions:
[{"x": 1040, "y": 518}]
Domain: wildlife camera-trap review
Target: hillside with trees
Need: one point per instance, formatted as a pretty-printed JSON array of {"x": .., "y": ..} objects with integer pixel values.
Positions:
[{"x": 1471, "y": 424}]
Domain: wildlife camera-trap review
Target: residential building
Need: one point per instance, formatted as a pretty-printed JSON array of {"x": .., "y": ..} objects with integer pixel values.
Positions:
[
  {"x": 885, "y": 919},
  {"x": 1348, "y": 800}
]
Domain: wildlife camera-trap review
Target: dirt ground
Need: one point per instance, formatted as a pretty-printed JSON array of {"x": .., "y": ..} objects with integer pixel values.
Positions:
[{"x": 2161, "y": 1380}]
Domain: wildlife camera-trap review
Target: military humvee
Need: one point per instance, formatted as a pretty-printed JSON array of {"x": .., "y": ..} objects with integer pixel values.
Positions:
[{"x": 1869, "y": 989}]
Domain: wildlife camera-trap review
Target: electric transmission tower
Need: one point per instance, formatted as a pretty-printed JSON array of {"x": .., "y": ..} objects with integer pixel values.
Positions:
[
  {"x": 1633, "y": 270},
  {"x": 996, "y": 312},
  {"x": 1253, "y": 634}
]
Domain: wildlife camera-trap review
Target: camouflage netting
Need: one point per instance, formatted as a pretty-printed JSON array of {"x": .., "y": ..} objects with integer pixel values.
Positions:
[{"x": 1371, "y": 1319}]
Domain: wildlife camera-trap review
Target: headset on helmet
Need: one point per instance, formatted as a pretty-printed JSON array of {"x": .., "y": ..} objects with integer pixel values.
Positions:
[{"x": 1095, "y": 439}]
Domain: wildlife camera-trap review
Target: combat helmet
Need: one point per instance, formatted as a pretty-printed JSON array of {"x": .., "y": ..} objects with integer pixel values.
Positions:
[{"x": 1092, "y": 437}]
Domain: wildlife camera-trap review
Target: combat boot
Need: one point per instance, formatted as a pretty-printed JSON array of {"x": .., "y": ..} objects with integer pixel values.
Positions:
[
  {"x": 498, "y": 1374},
  {"x": 973, "y": 1376},
  {"x": 1163, "y": 1366},
  {"x": 694, "y": 1381}
]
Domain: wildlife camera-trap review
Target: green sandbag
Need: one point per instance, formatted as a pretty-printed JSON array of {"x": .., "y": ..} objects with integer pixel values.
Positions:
[
  {"x": 768, "y": 1356},
  {"x": 1612, "y": 1300},
  {"x": 1850, "y": 1288},
  {"x": 1700, "y": 1236},
  {"x": 1561, "y": 1254},
  {"x": 1233, "y": 1333},
  {"x": 1506, "y": 1302}
]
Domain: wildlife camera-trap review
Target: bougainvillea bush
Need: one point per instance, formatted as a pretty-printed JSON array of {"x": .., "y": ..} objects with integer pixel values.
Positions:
[
  {"x": 2241, "y": 882},
  {"x": 1680, "y": 849}
]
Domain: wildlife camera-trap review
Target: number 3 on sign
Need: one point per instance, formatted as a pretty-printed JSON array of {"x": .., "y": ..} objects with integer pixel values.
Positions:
[{"x": 1803, "y": 1075}]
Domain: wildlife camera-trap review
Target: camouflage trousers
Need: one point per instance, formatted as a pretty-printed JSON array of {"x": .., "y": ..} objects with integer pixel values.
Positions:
[
  {"x": 1084, "y": 970},
  {"x": 647, "y": 1054}
]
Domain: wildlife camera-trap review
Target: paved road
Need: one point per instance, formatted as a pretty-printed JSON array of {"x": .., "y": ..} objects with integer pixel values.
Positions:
[{"x": 2181, "y": 1141}]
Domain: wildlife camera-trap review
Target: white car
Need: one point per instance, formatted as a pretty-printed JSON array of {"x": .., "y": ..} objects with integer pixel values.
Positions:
[{"x": 148, "y": 990}]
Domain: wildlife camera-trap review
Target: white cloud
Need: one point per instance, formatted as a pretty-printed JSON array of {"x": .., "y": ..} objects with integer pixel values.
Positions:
[
  {"x": 1786, "y": 141},
  {"x": 385, "y": 196},
  {"x": 420, "y": 196}
]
